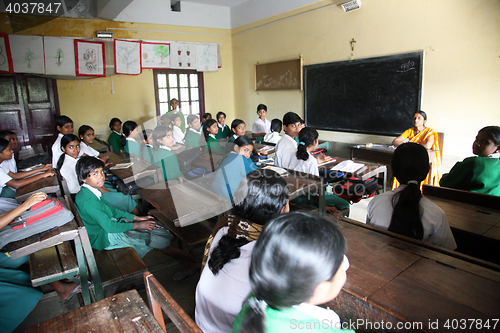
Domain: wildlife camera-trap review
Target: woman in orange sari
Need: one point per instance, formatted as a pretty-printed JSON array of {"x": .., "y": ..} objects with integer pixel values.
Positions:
[{"x": 428, "y": 138}]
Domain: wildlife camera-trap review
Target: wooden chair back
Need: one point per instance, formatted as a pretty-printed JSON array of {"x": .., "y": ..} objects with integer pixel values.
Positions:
[{"x": 159, "y": 299}]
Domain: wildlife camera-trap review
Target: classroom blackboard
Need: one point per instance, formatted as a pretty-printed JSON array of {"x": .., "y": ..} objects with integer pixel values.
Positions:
[
  {"x": 372, "y": 96},
  {"x": 282, "y": 75}
]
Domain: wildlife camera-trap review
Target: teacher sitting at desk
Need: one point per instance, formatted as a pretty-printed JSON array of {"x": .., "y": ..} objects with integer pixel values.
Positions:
[{"x": 428, "y": 138}]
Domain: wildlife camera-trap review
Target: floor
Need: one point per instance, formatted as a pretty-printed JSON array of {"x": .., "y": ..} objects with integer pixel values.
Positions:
[{"x": 163, "y": 268}]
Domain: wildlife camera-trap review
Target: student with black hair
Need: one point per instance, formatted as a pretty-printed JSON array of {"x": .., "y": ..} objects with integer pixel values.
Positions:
[
  {"x": 238, "y": 128},
  {"x": 10, "y": 181},
  {"x": 303, "y": 161},
  {"x": 110, "y": 228},
  {"x": 481, "y": 173},
  {"x": 66, "y": 165},
  {"x": 233, "y": 168},
  {"x": 115, "y": 138},
  {"x": 274, "y": 135},
  {"x": 209, "y": 138},
  {"x": 205, "y": 117},
  {"x": 174, "y": 104},
  {"x": 163, "y": 143},
  {"x": 131, "y": 132},
  {"x": 147, "y": 150},
  {"x": 405, "y": 210},
  {"x": 287, "y": 146},
  {"x": 86, "y": 135},
  {"x": 192, "y": 137},
  {"x": 223, "y": 130},
  {"x": 261, "y": 126},
  {"x": 224, "y": 284},
  {"x": 11, "y": 164},
  {"x": 176, "y": 130},
  {"x": 297, "y": 263},
  {"x": 64, "y": 125}
]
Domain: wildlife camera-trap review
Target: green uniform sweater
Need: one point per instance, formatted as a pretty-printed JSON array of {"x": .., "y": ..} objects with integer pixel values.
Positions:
[
  {"x": 167, "y": 161},
  {"x": 115, "y": 141},
  {"x": 133, "y": 147},
  {"x": 213, "y": 144},
  {"x": 183, "y": 120},
  {"x": 223, "y": 132},
  {"x": 475, "y": 174},
  {"x": 97, "y": 216},
  {"x": 192, "y": 138}
]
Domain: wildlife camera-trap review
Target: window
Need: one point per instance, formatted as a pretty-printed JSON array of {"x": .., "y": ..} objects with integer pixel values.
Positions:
[{"x": 186, "y": 86}]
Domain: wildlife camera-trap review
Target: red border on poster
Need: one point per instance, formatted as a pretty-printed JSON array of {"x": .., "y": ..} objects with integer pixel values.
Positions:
[
  {"x": 7, "y": 53},
  {"x": 76, "y": 59}
]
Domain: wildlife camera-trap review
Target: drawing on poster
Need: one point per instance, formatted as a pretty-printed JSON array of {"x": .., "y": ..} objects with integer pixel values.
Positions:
[
  {"x": 161, "y": 51},
  {"x": 28, "y": 57},
  {"x": 206, "y": 57},
  {"x": 127, "y": 58},
  {"x": 90, "y": 60},
  {"x": 3, "y": 58},
  {"x": 59, "y": 56}
]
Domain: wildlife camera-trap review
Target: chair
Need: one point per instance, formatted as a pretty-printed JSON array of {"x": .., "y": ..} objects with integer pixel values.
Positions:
[{"x": 159, "y": 299}]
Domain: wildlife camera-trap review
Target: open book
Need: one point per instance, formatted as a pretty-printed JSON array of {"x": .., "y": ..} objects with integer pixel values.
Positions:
[
  {"x": 279, "y": 170},
  {"x": 348, "y": 166},
  {"x": 120, "y": 166}
]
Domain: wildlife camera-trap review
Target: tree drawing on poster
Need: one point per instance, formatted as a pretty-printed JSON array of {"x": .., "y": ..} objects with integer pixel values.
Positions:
[
  {"x": 59, "y": 55},
  {"x": 127, "y": 57},
  {"x": 206, "y": 57},
  {"x": 27, "y": 54},
  {"x": 155, "y": 55}
]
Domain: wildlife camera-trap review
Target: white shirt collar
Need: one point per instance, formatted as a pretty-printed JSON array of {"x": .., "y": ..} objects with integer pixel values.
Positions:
[
  {"x": 83, "y": 144},
  {"x": 218, "y": 124},
  {"x": 213, "y": 136},
  {"x": 118, "y": 133},
  {"x": 131, "y": 139},
  {"x": 192, "y": 129},
  {"x": 165, "y": 147},
  {"x": 494, "y": 155},
  {"x": 235, "y": 136},
  {"x": 96, "y": 192},
  {"x": 71, "y": 158},
  {"x": 60, "y": 135},
  {"x": 147, "y": 144}
]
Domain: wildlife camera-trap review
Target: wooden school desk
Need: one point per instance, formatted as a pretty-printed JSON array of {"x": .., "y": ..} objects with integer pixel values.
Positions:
[
  {"x": 368, "y": 170},
  {"x": 394, "y": 279},
  {"x": 47, "y": 185},
  {"x": 125, "y": 312},
  {"x": 137, "y": 170}
]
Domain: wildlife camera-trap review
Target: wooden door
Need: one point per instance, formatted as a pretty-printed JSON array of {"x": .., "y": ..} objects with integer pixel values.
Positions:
[{"x": 28, "y": 107}]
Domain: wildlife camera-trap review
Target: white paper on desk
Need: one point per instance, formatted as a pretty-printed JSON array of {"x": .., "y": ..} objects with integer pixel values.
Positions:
[
  {"x": 120, "y": 166},
  {"x": 266, "y": 148},
  {"x": 347, "y": 166},
  {"x": 279, "y": 170}
]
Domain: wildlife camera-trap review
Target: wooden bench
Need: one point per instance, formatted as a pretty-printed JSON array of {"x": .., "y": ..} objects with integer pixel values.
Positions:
[
  {"x": 53, "y": 264},
  {"x": 474, "y": 220},
  {"x": 108, "y": 268},
  {"x": 159, "y": 299}
]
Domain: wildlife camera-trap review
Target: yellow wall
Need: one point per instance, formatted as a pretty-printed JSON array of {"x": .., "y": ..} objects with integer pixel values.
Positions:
[
  {"x": 460, "y": 40},
  {"x": 90, "y": 101}
]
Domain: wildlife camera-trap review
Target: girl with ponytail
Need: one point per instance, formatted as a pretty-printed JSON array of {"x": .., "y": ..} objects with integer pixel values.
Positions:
[
  {"x": 210, "y": 130},
  {"x": 131, "y": 131},
  {"x": 298, "y": 262},
  {"x": 405, "y": 210},
  {"x": 224, "y": 284}
]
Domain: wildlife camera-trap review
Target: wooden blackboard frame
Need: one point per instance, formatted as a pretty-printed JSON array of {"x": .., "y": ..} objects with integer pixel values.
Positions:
[
  {"x": 281, "y": 75},
  {"x": 368, "y": 96}
]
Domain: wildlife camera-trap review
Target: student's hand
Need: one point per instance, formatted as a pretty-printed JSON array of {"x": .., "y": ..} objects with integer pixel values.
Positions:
[
  {"x": 46, "y": 167},
  {"x": 34, "y": 199},
  {"x": 147, "y": 225},
  {"x": 262, "y": 153},
  {"x": 49, "y": 173}
]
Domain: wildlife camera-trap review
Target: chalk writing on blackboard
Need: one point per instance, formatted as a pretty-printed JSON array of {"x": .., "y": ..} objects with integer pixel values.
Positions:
[{"x": 407, "y": 66}]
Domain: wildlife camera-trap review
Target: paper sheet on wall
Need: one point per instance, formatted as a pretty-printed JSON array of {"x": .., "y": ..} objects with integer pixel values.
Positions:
[
  {"x": 206, "y": 56},
  {"x": 27, "y": 54},
  {"x": 5, "y": 57},
  {"x": 183, "y": 55},
  {"x": 155, "y": 55},
  {"x": 127, "y": 57},
  {"x": 89, "y": 58},
  {"x": 59, "y": 56}
]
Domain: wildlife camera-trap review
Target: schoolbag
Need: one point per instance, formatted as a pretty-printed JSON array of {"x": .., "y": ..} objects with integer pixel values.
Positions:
[
  {"x": 354, "y": 189},
  {"x": 45, "y": 215}
]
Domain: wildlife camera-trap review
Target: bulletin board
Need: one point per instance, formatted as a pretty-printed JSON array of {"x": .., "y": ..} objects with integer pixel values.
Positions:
[{"x": 282, "y": 75}]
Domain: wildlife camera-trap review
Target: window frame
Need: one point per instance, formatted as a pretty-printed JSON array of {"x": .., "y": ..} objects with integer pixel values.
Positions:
[{"x": 201, "y": 88}]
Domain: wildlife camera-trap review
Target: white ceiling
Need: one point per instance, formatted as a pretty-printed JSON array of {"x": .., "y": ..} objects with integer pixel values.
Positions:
[{"x": 223, "y": 3}]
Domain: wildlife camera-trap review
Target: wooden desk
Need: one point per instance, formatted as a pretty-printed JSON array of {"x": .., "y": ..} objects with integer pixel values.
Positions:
[
  {"x": 183, "y": 202},
  {"x": 300, "y": 183},
  {"x": 396, "y": 281},
  {"x": 125, "y": 312},
  {"x": 368, "y": 171},
  {"x": 45, "y": 243},
  {"x": 47, "y": 185},
  {"x": 137, "y": 170},
  {"x": 209, "y": 160}
]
